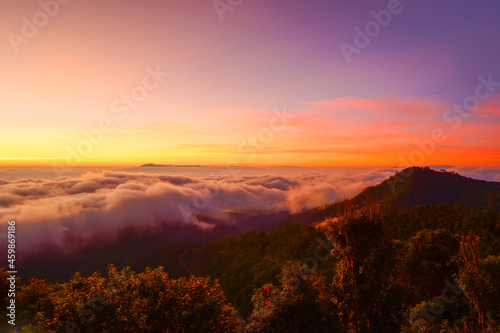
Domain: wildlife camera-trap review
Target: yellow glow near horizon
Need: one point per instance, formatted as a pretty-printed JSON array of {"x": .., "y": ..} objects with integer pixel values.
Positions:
[
  {"x": 315, "y": 138},
  {"x": 182, "y": 88}
]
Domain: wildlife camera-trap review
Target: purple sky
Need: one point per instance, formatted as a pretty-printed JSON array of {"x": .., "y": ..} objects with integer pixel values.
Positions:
[{"x": 225, "y": 76}]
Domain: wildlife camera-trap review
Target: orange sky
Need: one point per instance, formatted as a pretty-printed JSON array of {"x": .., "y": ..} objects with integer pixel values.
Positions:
[
  {"x": 348, "y": 131},
  {"x": 126, "y": 84}
]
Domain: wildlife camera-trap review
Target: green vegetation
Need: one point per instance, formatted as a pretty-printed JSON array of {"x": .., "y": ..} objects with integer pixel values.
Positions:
[
  {"x": 374, "y": 268},
  {"x": 248, "y": 262},
  {"x": 411, "y": 187},
  {"x": 432, "y": 280},
  {"x": 125, "y": 301}
]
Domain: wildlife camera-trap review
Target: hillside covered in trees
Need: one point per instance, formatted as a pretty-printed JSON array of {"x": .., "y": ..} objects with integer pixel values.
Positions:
[{"x": 389, "y": 260}]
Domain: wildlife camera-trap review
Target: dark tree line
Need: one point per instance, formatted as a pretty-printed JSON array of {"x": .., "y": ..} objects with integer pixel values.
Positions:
[{"x": 419, "y": 270}]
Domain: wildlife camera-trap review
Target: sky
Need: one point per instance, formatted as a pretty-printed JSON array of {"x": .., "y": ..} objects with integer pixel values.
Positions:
[
  {"x": 249, "y": 83},
  {"x": 257, "y": 106}
]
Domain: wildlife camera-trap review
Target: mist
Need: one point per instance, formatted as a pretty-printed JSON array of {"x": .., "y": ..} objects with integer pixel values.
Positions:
[{"x": 64, "y": 211}]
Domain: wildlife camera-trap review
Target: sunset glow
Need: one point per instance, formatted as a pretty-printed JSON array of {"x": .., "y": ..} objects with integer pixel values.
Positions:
[
  {"x": 250, "y": 166},
  {"x": 126, "y": 83}
]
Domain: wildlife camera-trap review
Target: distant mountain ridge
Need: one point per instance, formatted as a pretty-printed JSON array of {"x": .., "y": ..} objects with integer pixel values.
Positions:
[
  {"x": 418, "y": 185},
  {"x": 411, "y": 187}
]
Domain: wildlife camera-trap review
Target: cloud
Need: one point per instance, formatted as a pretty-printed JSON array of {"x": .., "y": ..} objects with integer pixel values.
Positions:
[
  {"x": 270, "y": 182},
  {"x": 487, "y": 174},
  {"x": 58, "y": 211},
  {"x": 67, "y": 212},
  {"x": 309, "y": 196}
]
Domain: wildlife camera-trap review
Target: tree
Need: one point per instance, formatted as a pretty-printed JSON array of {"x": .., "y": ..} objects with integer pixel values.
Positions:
[
  {"x": 301, "y": 303},
  {"x": 363, "y": 292},
  {"x": 425, "y": 261},
  {"x": 479, "y": 279},
  {"x": 125, "y": 301},
  {"x": 5, "y": 300}
]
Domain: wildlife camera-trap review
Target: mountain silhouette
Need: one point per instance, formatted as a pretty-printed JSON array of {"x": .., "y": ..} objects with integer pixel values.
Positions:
[
  {"x": 411, "y": 187},
  {"x": 417, "y": 185}
]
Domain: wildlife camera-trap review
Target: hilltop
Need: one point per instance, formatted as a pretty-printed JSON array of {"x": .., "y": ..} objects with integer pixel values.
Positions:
[{"x": 408, "y": 188}]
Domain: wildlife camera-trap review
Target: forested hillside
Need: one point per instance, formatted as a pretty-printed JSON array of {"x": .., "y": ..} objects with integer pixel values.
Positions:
[
  {"x": 411, "y": 187},
  {"x": 369, "y": 267}
]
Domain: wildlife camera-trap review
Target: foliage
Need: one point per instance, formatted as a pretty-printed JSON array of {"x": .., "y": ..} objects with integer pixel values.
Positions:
[
  {"x": 246, "y": 263},
  {"x": 125, "y": 301},
  {"x": 362, "y": 287},
  {"x": 418, "y": 269},
  {"x": 479, "y": 280},
  {"x": 301, "y": 303},
  {"x": 425, "y": 261}
]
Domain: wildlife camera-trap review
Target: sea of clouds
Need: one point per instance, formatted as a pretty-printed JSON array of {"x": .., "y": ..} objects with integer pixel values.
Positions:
[{"x": 56, "y": 211}]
